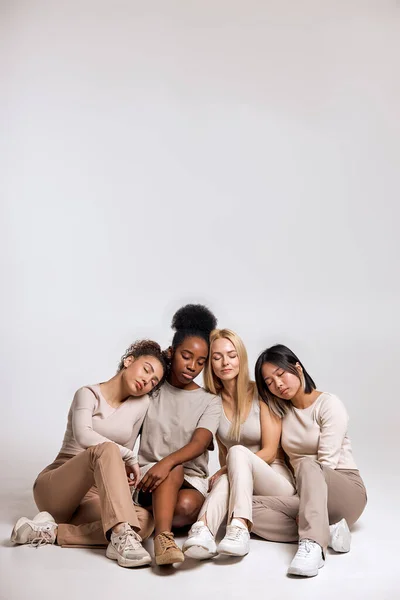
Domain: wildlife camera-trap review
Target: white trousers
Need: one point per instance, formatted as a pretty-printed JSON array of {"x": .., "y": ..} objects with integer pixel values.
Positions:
[{"x": 247, "y": 474}]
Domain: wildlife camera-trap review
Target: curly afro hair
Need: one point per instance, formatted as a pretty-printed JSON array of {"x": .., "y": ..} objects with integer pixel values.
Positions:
[
  {"x": 192, "y": 320},
  {"x": 148, "y": 348}
]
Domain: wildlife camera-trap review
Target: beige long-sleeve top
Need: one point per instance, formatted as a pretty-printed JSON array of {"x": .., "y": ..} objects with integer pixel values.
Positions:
[
  {"x": 92, "y": 421},
  {"x": 319, "y": 431}
]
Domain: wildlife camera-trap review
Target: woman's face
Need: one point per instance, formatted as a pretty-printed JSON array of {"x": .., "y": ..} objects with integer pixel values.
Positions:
[
  {"x": 189, "y": 359},
  {"x": 224, "y": 359},
  {"x": 141, "y": 374},
  {"x": 281, "y": 383}
]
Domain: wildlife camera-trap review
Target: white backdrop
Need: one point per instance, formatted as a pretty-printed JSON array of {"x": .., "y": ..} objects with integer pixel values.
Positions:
[{"x": 240, "y": 154}]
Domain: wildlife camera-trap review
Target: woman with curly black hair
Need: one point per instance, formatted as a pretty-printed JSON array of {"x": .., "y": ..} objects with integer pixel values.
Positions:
[
  {"x": 177, "y": 431},
  {"x": 85, "y": 493}
]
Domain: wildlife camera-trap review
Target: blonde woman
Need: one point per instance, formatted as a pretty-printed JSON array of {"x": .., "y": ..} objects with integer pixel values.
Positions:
[{"x": 249, "y": 451}]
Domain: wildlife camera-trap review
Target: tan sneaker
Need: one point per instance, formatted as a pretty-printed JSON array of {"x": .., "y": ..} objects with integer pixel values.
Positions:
[{"x": 165, "y": 549}]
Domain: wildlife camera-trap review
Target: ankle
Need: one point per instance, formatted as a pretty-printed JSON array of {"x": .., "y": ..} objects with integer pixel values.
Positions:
[
  {"x": 239, "y": 522},
  {"x": 158, "y": 531},
  {"x": 119, "y": 528}
]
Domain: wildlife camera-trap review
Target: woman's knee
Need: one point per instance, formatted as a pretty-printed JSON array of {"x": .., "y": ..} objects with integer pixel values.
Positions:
[
  {"x": 105, "y": 448},
  {"x": 307, "y": 463},
  {"x": 237, "y": 454},
  {"x": 187, "y": 507}
]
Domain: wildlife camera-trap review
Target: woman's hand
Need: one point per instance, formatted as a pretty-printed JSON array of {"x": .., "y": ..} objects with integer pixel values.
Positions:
[
  {"x": 133, "y": 474},
  {"x": 213, "y": 480},
  {"x": 155, "y": 476}
]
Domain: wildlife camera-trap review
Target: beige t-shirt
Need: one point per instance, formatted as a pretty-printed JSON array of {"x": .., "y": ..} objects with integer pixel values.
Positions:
[
  {"x": 170, "y": 422},
  {"x": 92, "y": 421},
  {"x": 319, "y": 431}
]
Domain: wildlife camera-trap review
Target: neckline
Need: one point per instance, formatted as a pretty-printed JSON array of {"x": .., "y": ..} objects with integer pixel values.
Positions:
[
  {"x": 248, "y": 414},
  {"x": 174, "y": 389},
  {"x": 312, "y": 404},
  {"x": 101, "y": 395}
]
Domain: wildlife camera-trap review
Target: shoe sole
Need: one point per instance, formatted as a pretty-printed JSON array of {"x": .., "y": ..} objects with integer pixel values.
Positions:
[
  {"x": 229, "y": 552},
  {"x": 341, "y": 540},
  {"x": 198, "y": 552},
  {"x": 128, "y": 563},
  {"x": 302, "y": 573},
  {"x": 162, "y": 561}
]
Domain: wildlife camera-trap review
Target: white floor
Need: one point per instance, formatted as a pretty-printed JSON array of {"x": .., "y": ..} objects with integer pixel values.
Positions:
[{"x": 369, "y": 571}]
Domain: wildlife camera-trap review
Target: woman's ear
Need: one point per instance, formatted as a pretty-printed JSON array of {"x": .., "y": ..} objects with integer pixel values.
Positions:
[
  {"x": 299, "y": 368},
  {"x": 170, "y": 352},
  {"x": 128, "y": 361}
]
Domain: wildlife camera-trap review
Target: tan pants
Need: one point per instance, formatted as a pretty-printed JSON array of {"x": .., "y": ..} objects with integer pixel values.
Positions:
[
  {"x": 247, "y": 474},
  {"x": 87, "y": 495},
  {"x": 325, "y": 496}
]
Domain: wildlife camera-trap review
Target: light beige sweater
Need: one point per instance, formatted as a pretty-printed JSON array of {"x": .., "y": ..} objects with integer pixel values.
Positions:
[
  {"x": 320, "y": 432},
  {"x": 92, "y": 421}
]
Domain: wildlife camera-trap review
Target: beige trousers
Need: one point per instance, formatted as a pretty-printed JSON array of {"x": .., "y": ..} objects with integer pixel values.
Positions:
[
  {"x": 247, "y": 474},
  {"x": 325, "y": 496},
  {"x": 87, "y": 495}
]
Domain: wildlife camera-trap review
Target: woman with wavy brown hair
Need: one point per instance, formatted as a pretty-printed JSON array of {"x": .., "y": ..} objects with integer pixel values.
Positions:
[
  {"x": 249, "y": 451},
  {"x": 84, "y": 495}
]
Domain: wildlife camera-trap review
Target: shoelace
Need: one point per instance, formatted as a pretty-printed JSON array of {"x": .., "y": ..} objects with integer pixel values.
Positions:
[
  {"x": 305, "y": 548},
  {"x": 167, "y": 541},
  {"x": 234, "y": 533},
  {"x": 196, "y": 529},
  {"x": 43, "y": 537},
  {"x": 129, "y": 540}
]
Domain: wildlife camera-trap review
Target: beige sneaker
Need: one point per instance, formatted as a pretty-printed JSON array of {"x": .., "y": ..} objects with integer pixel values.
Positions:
[
  {"x": 125, "y": 547},
  {"x": 165, "y": 549},
  {"x": 36, "y": 532}
]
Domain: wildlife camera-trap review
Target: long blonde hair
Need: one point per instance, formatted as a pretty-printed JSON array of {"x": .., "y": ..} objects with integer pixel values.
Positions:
[{"x": 245, "y": 388}]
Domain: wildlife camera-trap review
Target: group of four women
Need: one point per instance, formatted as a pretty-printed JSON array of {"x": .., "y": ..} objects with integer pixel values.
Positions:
[{"x": 287, "y": 470}]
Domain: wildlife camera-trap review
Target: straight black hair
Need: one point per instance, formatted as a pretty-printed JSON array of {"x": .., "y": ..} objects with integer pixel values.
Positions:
[{"x": 285, "y": 359}]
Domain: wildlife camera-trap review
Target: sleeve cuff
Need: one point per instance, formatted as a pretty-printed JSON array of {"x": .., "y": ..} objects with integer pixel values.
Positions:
[{"x": 131, "y": 461}]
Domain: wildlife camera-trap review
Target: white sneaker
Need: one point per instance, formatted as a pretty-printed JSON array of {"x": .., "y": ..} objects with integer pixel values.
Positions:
[
  {"x": 36, "y": 532},
  {"x": 126, "y": 548},
  {"x": 236, "y": 541},
  {"x": 200, "y": 543},
  {"x": 340, "y": 538},
  {"x": 308, "y": 559}
]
